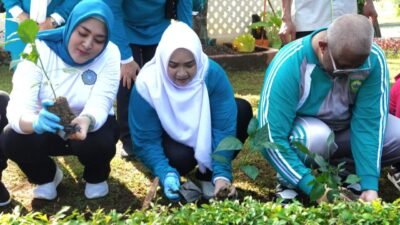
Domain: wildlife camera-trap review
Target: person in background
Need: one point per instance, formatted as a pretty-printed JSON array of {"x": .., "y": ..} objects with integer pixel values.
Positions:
[
  {"x": 394, "y": 109},
  {"x": 83, "y": 66},
  {"x": 300, "y": 17},
  {"x": 187, "y": 106},
  {"x": 139, "y": 25},
  {"x": 5, "y": 197},
  {"x": 332, "y": 89},
  {"x": 48, "y": 14}
]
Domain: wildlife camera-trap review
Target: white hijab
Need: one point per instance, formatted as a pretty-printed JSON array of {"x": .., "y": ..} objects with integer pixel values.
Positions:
[
  {"x": 38, "y": 10},
  {"x": 184, "y": 111}
]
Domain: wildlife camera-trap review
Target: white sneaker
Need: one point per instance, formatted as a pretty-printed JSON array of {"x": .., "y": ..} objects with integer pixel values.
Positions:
[
  {"x": 286, "y": 194},
  {"x": 48, "y": 191},
  {"x": 96, "y": 190}
]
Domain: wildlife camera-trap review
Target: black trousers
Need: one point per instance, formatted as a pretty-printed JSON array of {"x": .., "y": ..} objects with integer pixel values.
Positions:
[
  {"x": 32, "y": 152},
  {"x": 181, "y": 157},
  {"x": 3, "y": 122},
  {"x": 141, "y": 54}
]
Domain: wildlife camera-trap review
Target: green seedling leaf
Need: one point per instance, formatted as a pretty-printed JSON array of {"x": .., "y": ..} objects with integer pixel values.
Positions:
[
  {"x": 321, "y": 162},
  {"x": 229, "y": 143},
  {"x": 219, "y": 158},
  {"x": 33, "y": 56},
  {"x": 301, "y": 147},
  {"x": 317, "y": 191},
  {"x": 352, "y": 179},
  {"x": 252, "y": 128},
  {"x": 322, "y": 178},
  {"x": 261, "y": 136},
  {"x": 254, "y": 146},
  {"x": 27, "y": 31},
  {"x": 251, "y": 171},
  {"x": 332, "y": 181},
  {"x": 332, "y": 195}
]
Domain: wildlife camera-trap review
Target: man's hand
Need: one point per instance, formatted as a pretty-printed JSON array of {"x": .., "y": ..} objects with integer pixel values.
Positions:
[
  {"x": 23, "y": 16},
  {"x": 287, "y": 32},
  {"x": 128, "y": 73},
  {"x": 369, "y": 10},
  {"x": 224, "y": 189},
  {"x": 369, "y": 196}
]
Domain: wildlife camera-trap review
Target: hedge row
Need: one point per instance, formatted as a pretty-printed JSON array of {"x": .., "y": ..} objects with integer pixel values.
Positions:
[{"x": 248, "y": 211}]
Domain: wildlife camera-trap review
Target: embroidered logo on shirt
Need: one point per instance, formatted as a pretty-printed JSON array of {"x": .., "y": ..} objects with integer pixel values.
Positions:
[
  {"x": 355, "y": 85},
  {"x": 89, "y": 77}
]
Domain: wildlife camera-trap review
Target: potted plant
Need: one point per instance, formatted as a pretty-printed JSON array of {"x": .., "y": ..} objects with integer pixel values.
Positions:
[{"x": 265, "y": 27}]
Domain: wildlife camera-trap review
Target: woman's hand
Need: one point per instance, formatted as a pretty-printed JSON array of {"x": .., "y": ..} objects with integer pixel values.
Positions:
[
  {"x": 83, "y": 122},
  {"x": 224, "y": 189},
  {"x": 171, "y": 186},
  {"x": 128, "y": 73},
  {"x": 46, "y": 121}
]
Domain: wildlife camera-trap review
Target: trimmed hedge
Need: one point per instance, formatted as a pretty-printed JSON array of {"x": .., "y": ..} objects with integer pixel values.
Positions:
[{"x": 248, "y": 211}]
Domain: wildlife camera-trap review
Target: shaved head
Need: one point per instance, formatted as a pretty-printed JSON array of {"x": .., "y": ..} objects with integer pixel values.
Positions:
[{"x": 350, "y": 34}]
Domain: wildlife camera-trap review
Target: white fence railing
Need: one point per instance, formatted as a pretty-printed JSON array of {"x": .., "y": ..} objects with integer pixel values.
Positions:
[{"x": 228, "y": 18}]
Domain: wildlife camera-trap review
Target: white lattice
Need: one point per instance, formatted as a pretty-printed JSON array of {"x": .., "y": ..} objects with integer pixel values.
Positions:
[{"x": 228, "y": 18}]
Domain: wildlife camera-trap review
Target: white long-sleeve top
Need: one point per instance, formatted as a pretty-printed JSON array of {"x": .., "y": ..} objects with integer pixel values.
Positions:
[{"x": 84, "y": 96}]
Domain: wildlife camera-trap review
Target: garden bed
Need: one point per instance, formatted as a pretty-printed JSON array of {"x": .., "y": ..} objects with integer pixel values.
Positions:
[{"x": 230, "y": 59}]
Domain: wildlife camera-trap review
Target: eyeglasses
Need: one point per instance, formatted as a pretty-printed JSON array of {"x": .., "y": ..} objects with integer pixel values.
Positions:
[{"x": 337, "y": 71}]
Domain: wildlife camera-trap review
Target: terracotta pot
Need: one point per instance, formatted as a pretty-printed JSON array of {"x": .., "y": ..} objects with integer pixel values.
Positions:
[{"x": 262, "y": 43}]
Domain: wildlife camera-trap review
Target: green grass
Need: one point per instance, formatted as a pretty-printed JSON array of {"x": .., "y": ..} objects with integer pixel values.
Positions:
[{"x": 129, "y": 180}]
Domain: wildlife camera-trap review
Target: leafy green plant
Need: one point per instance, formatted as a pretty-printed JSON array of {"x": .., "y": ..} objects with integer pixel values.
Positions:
[
  {"x": 270, "y": 23},
  {"x": 247, "y": 211},
  {"x": 244, "y": 43},
  {"x": 269, "y": 26},
  {"x": 27, "y": 32},
  {"x": 327, "y": 177}
]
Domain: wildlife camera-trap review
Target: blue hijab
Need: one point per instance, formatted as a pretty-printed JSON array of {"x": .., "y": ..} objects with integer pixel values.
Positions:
[{"x": 57, "y": 39}]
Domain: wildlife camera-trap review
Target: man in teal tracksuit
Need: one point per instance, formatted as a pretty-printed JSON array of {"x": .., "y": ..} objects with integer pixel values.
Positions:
[{"x": 332, "y": 82}]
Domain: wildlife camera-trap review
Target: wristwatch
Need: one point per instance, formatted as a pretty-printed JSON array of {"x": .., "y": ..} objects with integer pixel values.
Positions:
[{"x": 53, "y": 22}]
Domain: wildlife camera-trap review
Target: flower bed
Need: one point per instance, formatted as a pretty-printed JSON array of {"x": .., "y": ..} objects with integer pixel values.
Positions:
[{"x": 391, "y": 46}]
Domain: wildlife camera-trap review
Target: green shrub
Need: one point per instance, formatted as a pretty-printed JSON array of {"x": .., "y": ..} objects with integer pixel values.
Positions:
[{"x": 249, "y": 211}]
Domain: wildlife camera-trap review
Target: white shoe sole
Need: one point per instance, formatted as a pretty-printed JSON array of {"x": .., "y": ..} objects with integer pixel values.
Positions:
[{"x": 394, "y": 181}]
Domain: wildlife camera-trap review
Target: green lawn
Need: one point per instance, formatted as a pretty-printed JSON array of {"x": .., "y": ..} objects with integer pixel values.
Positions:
[{"x": 129, "y": 180}]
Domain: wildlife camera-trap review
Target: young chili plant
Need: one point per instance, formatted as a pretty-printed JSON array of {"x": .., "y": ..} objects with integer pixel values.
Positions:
[{"x": 327, "y": 179}]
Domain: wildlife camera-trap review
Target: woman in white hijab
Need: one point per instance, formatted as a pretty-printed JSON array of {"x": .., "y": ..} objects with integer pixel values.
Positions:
[{"x": 187, "y": 107}]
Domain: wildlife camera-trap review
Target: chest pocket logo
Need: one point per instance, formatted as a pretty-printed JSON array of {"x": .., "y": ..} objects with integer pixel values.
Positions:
[
  {"x": 355, "y": 85},
  {"x": 89, "y": 77}
]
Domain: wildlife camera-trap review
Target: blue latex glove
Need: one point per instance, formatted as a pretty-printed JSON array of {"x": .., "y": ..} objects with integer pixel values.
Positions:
[
  {"x": 46, "y": 121},
  {"x": 171, "y": 186}
]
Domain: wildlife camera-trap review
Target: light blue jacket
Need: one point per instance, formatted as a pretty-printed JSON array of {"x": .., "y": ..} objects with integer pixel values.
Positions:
[
  {"x": 146, "y": 128},
  {"x": 142, "y": 22},
  {"x": 61, "y": 7}
]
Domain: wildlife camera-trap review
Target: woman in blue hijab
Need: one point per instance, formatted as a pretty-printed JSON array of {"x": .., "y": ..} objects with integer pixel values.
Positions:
[{"x": 82, "y": 66}]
